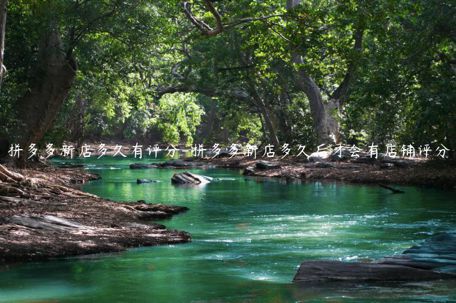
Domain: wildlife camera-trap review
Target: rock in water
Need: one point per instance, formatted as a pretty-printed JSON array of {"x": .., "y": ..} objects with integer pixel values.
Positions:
[
  {"x": 326, "y": 271},
  {"x": 189, "y": 178},
  {"x": 144, "y": 181},
  {"x": 433, "y": 259},
  {"x": 142, "y": 166},
  {"x": 266, "y": 165}
]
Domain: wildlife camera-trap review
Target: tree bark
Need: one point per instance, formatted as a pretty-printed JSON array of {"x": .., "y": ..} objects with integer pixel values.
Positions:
[
  {"x": 55, "y": 73},
  {"x": 325, "y": 125},
  {"x": 3, "y": 4}
]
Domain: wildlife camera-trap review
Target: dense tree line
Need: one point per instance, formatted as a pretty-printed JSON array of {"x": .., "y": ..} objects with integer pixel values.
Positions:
[{"x": 295, "y": 71}]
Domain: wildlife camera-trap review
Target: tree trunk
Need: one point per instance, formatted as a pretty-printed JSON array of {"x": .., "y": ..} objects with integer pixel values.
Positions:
[
  {"x": 55, "y": 73},
  {"x": 325, "y": 125},
  {"x": 3, "y": 4}
]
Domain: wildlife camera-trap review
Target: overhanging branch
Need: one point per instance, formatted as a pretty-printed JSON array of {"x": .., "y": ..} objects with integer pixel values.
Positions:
[{"x": 201, "y": 25}]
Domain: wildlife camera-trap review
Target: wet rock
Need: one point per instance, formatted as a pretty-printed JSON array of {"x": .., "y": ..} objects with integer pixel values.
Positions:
[
  {"x": 145, "y": 181},
  {"x": 326, "y": 271},
  {"x": 435, "y": 258},
  {"x": 180, "y": 164},
  {"x": 264, "y": 165},
  {"x": 142, "y": 166},
  {"x": 249, "y": 171},
  {"x": 190, "y": 178}
]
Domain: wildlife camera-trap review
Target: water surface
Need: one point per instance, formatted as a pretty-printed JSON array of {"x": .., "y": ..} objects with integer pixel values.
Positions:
[{"x": 249, "y": 237}]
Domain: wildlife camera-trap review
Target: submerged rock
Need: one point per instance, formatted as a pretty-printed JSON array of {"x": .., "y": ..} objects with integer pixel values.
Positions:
[
  {"x": 326, "y": 271},
  {"x": 190, "y": 178},
  {"x": 189, "y": 163},
  {"x": 144, "y": 181},
  {"x": 142, "y": 166},
  {"x": 434, "y": 259}
]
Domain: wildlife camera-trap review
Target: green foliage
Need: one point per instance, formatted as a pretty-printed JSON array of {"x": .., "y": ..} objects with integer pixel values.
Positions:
[{"x": 403, "y": 87}]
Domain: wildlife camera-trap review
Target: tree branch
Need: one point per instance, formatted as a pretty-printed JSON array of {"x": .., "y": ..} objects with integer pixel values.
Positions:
[
  {"x": 201, "y": 25},
  {"x": 342, "y": 92}
]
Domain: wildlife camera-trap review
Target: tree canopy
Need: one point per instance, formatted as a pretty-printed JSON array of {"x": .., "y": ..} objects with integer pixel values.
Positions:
[{"x": 307, "y": 72}]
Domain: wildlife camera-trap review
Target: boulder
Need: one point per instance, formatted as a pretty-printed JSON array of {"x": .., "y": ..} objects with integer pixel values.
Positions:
[
  {"x": 190, "y": 179},
  {"x": 326, "y": 271},
  {"x": 319, "y": 156},
  {"x": 264, "y": 165},
  {"x": 435, "y": 258},
  {"x": 142, "y": 166}
]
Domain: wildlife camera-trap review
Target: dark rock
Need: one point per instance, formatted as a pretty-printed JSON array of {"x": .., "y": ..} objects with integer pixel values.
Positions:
[
  {"x": 249, "y": 171},
  {"x": 190, "y": 178},
  {"x": 325, "y": 271},
  {"x": 142, "y": 166},
  {"x": 144, "y": 181},
  {"x": 180, "y": 164},
  {"x": 435, "y": 258},
  {"x": 264, "y": 165}
]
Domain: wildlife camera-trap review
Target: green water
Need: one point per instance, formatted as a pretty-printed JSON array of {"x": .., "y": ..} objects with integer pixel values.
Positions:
[{"x": 249, "y": 237}]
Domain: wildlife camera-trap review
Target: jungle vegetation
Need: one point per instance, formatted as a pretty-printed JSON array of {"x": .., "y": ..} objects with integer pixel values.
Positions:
[{"x": 201, "y": 71}]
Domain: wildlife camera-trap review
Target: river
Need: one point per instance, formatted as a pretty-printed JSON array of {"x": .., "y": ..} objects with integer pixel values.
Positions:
[{"x": 249, "y": 237}]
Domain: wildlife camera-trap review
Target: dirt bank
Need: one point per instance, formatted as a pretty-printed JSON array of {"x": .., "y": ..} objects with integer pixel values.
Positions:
[
  {"x": 386, "y": 171},
  {"x": 44, "y": 215}
]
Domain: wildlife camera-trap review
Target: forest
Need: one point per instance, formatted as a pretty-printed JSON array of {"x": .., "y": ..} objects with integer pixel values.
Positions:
[
  {"x": 303, "y": 151},
  {"x": 307, "y": 72}
]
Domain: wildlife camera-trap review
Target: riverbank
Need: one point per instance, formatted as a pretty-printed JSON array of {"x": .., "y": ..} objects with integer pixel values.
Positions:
[
  {"x": 366, "y": 171},
  {"x": 44, "y": 214}
]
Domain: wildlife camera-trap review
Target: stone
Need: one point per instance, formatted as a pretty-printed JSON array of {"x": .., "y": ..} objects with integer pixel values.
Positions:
[
  {"x": 326, "y": 271},
  {"x": 319, "y": 156},
  {"x": 190, "y": 179},
  {"x": 142, "y": 166},
  {"x": 435, "y": 258},
  {"x": 144, "y": 181}
]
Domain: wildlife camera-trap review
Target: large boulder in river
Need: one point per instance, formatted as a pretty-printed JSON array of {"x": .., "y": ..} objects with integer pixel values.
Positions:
[
  {"x": 435, "y": 258},
  {"x": 190, "y": 179},
  {"x": 326, "y": 271}
]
